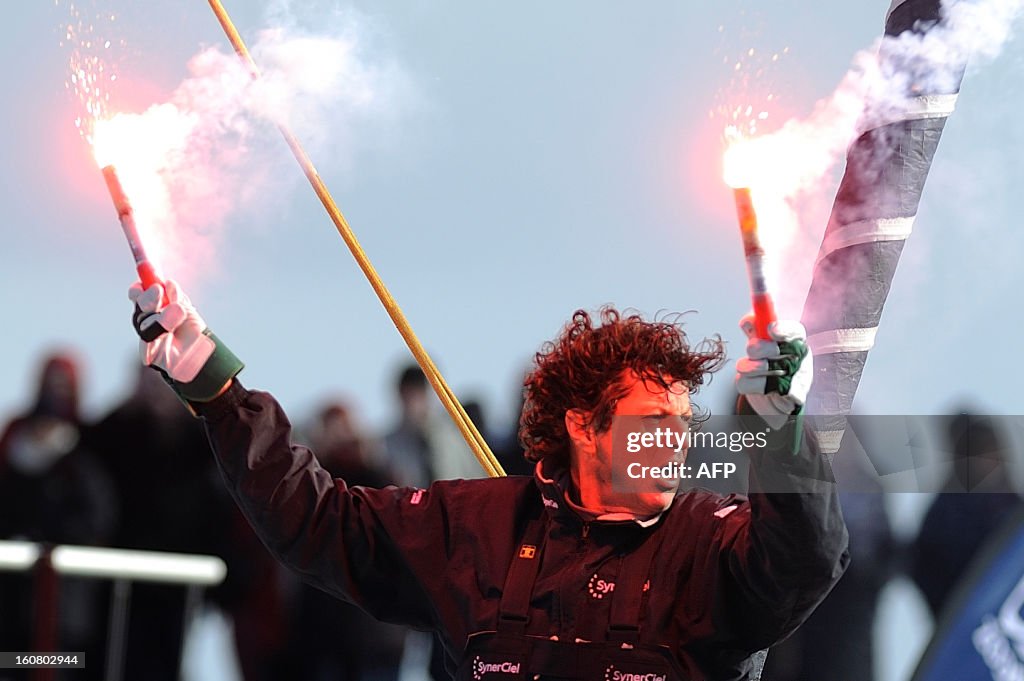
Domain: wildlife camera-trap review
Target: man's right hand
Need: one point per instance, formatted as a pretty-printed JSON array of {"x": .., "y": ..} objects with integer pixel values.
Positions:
[{"x": 178, "y": 343}]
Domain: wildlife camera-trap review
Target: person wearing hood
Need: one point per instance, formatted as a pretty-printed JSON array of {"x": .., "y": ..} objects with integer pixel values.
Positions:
[{"x": 53, "y": 490}]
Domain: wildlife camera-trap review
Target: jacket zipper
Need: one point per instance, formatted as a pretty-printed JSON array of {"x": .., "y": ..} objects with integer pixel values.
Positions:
[{"x": 586, "y": 529}]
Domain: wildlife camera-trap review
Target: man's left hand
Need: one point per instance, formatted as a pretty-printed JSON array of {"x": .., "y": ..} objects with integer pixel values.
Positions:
[{"x": 776, "y": 374}]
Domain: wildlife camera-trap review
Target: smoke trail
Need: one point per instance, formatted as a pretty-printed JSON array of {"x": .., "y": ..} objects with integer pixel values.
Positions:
[
  {"x": 913, "y": 77},
  {"x": 797, "y": 161},
  {"x": 189, "y": 163},
  {"x": 914, "y": 90}
]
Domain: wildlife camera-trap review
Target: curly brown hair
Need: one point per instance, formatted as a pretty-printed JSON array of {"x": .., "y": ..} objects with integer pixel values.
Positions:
[{"x": 583, "y": 368}]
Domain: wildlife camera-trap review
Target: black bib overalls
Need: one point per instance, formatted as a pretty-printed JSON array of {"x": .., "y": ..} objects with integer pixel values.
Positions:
[{"x": 509, "y": 654}]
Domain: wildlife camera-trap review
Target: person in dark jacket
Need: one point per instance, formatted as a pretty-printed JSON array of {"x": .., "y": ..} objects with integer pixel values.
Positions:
[
  {"x": 568, "y": 574},
  {"x": 975, "y": 500},
  {"x": 53, "y": 490},
  {"x": 148, "y": 437}
]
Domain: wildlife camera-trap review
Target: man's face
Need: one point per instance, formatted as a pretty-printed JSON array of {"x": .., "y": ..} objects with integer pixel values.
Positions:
[{"x": 646, "y": 406}]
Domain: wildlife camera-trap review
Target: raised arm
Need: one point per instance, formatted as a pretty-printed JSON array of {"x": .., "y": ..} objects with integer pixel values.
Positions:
[
  {"x": 356, "y": 543},
  {"x": 786, "y": 550}
]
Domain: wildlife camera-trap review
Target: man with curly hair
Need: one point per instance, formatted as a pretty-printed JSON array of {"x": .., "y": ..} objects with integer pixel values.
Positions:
[{"x": 565, "y": 575}]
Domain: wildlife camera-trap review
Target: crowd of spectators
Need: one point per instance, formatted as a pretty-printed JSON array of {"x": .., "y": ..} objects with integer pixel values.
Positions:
[{"x": 142, "y": 477}]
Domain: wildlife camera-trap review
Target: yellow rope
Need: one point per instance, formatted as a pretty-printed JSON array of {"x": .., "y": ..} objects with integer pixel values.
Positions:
[{"x": 444, "y": 393}]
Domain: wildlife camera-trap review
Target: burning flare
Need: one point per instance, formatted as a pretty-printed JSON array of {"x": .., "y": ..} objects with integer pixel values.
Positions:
[
  {"x": 133, "y": 151},
  {"x": 142, "y": 147},
  {"x": 739, "y": 162},
  {"x": 737, "y": 174}
]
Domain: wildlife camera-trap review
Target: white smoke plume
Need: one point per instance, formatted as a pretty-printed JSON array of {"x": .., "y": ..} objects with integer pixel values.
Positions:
[
  {"x": 793, "y": 165},
  {"x": 212, "y": 151}
]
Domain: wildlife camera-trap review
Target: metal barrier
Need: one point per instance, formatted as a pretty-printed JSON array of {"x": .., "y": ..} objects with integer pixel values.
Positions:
[{"x": 120, "y": 565}]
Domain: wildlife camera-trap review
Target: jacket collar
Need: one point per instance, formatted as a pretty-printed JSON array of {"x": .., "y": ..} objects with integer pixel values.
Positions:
[{"x": 555, "y": 486}]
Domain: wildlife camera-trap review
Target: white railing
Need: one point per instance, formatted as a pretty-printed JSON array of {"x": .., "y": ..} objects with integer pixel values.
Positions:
[
  {"x": 134, "y": 566},
  {"x": 123, "y": 567}
]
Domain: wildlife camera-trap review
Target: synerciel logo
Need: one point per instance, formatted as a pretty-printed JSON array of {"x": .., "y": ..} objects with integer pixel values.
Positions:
[
  {"x": 613, "y": 674},
  {"x": 480, "y": 667},
  {"x": 599, "y": 588}
]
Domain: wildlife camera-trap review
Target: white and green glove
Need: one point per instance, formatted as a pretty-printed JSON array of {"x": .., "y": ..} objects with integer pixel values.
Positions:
[
  {"x": 177, "y": 343},
  {"x": 776, "y": 374}
]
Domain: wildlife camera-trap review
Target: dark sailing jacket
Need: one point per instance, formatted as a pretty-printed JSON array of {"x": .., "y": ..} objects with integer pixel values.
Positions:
[{"x": 732, "y": 575}]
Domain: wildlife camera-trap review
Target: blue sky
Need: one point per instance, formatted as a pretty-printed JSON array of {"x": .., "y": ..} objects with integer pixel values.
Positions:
[{"x": 550, "y": 156}]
